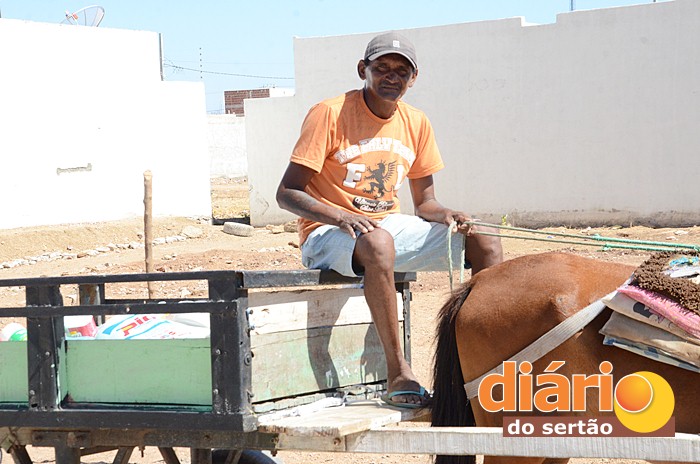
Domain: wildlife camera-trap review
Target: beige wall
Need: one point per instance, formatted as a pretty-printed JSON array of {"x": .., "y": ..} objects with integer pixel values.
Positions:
[
  {"x": 590, "y": 120},
  {"x": 83, "y": 113}
]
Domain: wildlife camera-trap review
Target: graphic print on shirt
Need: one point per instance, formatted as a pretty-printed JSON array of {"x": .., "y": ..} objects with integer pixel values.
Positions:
[
  {"x": 378, "y": 178},
  {"x": 372, "y": 206},
  {"x": 378, "y": 184},
  {"x": 379, "y": 181}
]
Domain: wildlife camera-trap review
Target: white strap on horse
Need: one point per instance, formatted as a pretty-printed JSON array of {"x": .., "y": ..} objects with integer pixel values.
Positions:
[{"x": 546, "y": 343}]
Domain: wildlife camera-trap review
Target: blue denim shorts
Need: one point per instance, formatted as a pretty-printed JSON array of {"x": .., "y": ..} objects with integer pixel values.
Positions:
[{"x": 420, "y": 246}]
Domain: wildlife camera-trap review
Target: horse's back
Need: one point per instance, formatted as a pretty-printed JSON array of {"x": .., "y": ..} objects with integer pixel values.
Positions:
[
  {"x": 538, "y": 277},
  {"x": 514, "y": 303}
]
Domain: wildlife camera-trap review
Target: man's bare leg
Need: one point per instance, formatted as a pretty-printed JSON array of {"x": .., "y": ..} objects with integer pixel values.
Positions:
[
  {"x": 374, "y": 252},
  {"x": 483, "y": 251}
]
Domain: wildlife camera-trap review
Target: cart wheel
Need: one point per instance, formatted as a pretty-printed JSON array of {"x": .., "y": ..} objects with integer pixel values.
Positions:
[{"x": 222, "y": 456}]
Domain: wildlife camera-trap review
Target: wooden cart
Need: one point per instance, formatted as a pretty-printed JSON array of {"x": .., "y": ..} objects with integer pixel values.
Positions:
[
  {"x": 278, "y": 339},
  {"x": 283, "y": 347}
]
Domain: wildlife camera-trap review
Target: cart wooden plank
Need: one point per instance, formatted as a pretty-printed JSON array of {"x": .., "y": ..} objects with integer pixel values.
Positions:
[
  {"x": 340, "y": 421},
  {"x": 170, "y": 371},
  {"x": 489, "y": 441},
  {"x": 271, "y": 312},
  {"x": 13, "y": 372},
  {"x": 323, "y": 358}
]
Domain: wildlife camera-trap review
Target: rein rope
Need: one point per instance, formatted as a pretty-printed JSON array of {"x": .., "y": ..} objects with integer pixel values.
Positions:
[
  {"x": 607, "y": 243},
  {"x": 588, "y": 240}
]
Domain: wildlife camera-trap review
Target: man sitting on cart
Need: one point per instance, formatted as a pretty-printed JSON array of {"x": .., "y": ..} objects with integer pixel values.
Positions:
[{"x": 353, "y": 154}]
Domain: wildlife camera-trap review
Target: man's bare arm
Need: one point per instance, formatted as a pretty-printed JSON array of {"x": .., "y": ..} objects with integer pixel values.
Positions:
[
  {"x": 292, "y": 196},
  {"x": 428, "y": 208}
]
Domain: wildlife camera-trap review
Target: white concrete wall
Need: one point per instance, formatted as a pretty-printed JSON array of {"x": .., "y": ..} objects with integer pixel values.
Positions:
[
  {"x": 281, "y": 92},
  {"x": 590, "y": 120},
  {"x": 227, "y": 148},
  {"x": 78, "y": 97}
]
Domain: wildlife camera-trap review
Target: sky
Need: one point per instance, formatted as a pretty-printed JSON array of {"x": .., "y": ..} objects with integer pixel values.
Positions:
[{"x": 248, "y": 44}]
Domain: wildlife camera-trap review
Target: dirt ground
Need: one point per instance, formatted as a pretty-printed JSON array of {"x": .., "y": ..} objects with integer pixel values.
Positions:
[{"x": 104, "y": 248}]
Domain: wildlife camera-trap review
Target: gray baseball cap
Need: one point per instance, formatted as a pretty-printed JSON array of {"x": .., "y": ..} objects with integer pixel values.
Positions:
[{"x": 391, "y": 42}]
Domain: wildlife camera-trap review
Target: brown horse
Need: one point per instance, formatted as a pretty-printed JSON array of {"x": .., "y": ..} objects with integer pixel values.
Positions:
[{"x": 505, "y": 308}]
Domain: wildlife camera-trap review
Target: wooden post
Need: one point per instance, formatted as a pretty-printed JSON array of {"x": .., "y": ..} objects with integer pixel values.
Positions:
[{"x": 148, "y": 225}]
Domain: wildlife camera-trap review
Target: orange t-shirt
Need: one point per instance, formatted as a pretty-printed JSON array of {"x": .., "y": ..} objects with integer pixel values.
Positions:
[{"x": 361, "y": 159}]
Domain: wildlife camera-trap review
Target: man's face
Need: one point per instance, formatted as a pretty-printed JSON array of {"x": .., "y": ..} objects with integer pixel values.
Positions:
[{"x": 387, "y": 77}]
